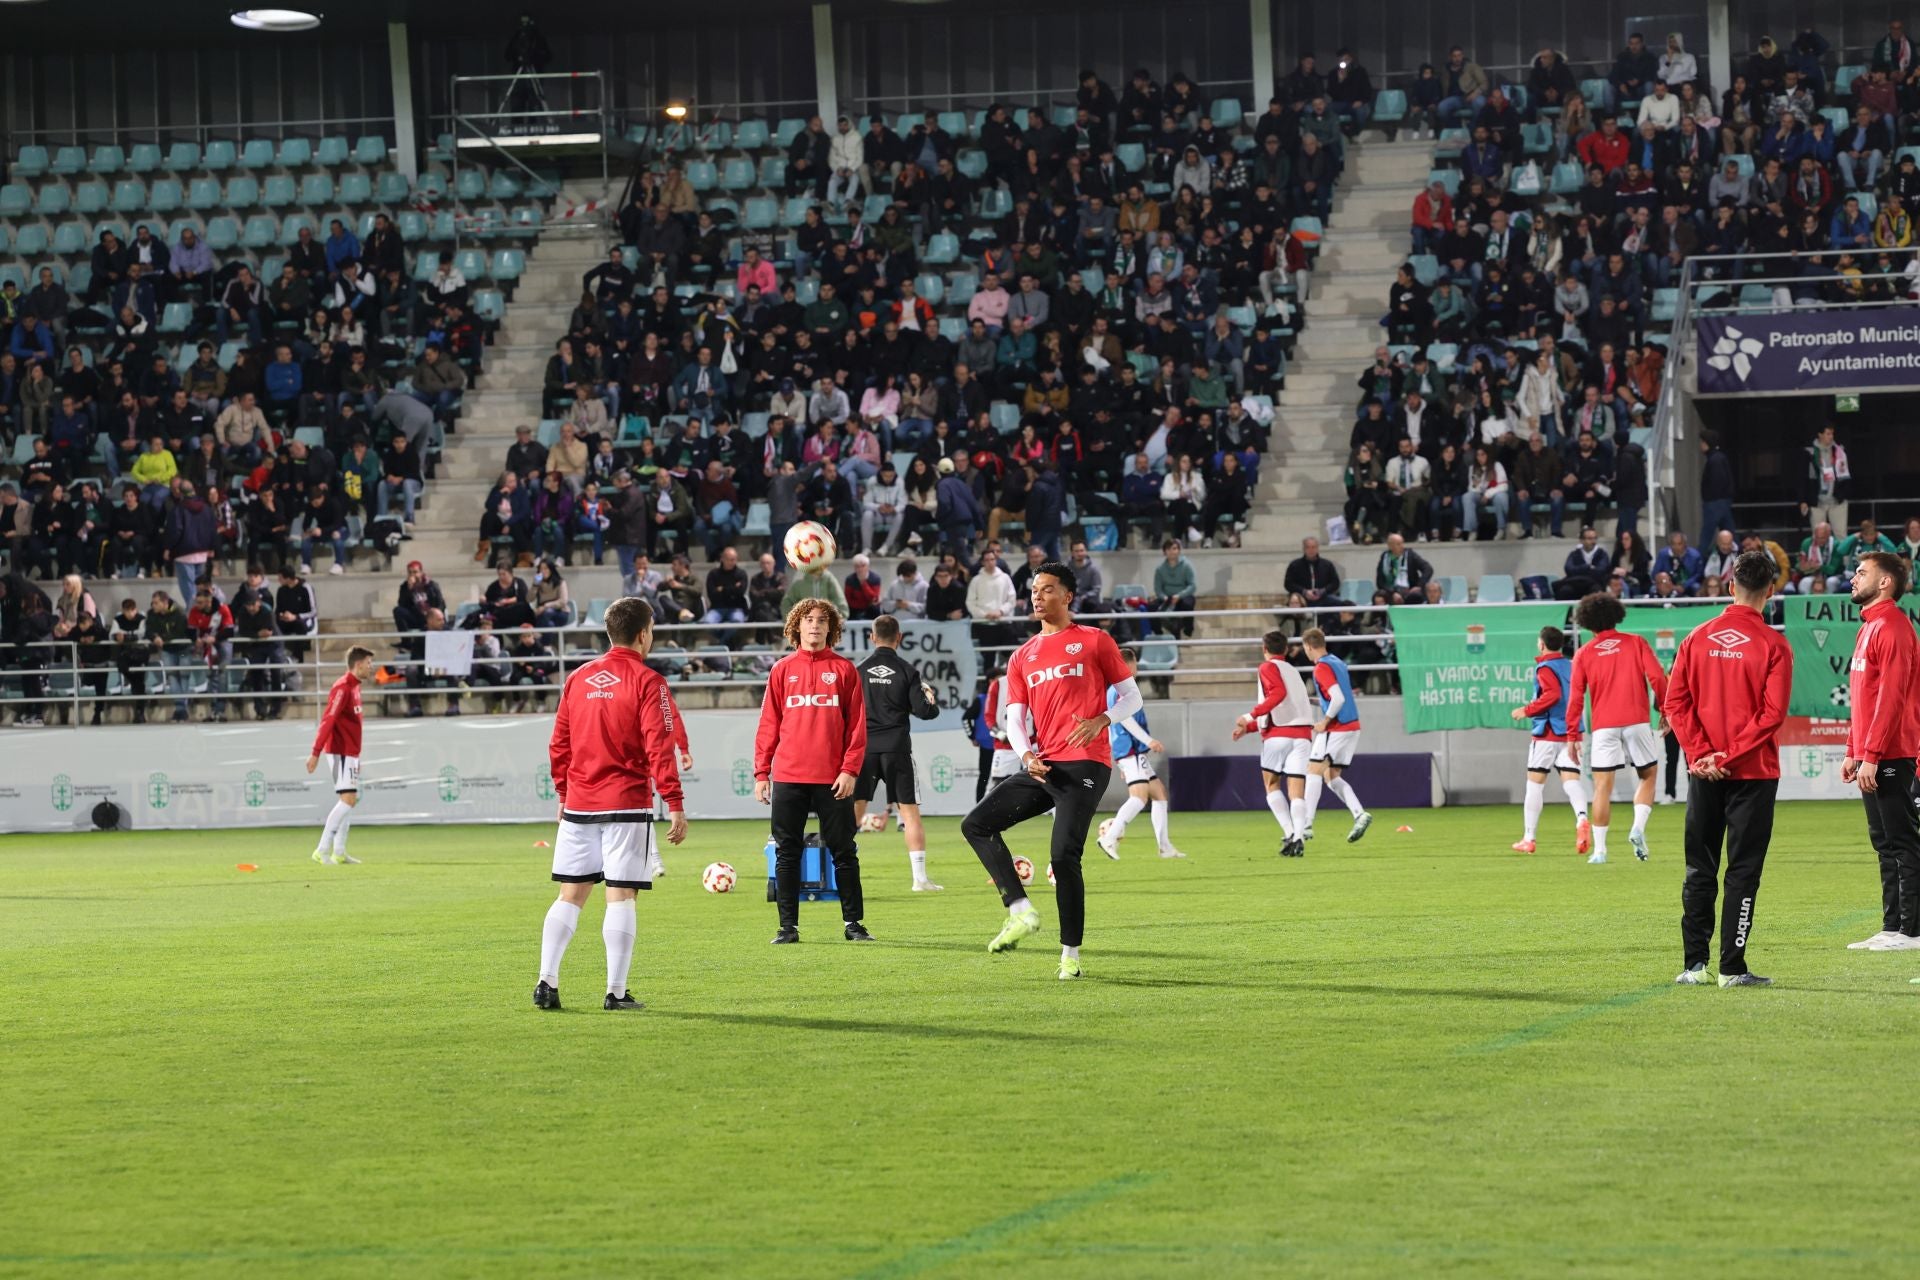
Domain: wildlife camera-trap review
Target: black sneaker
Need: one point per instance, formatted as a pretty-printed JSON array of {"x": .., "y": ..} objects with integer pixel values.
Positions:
[
  {"x": 787, "y": 934},
  {"x": 857, "y": 932},
  {"x": 625, "y": 1001},
  {"x": 546, "y": 997}
]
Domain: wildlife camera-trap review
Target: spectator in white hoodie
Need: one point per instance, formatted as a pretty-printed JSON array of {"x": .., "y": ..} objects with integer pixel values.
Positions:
[{"x": 844, "y": 159}]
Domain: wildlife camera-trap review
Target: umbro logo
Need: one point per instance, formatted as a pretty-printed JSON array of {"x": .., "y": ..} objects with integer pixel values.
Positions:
[
  {"x": 880, "y": 673},
  {"x": 828, "y": 677},
  {"x": 1087, "y": 782},
  {"x": 1073, "y": 648},
  {"x": 1606, "y": 646},
  {"x": 1728, "y": 638},
  {"x": 603, "y": 679}
]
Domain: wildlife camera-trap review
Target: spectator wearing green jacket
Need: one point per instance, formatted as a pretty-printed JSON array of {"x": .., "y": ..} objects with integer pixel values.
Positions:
[
  {"x": 1175, "y": 588},
  {"x": 1869, "y": 539}
]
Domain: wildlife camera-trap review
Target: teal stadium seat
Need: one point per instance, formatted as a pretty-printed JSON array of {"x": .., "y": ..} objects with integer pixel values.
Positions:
[
  {"x": 261, "y": 232},
  {"x": 15, "y": 200},
  {"x": 130, "y": 196},
  {"x": 258, "y": 153},
  {"x": 143, "y": 158},
  {"x": 91, "y": 197},
  {"x": 295, "y": 153},
  {"x": 70, "y": 239},
  {"x": 204, "y": 193},
  {"x": 316, "y": 190},
  {"x": 243, "y": 192},
  {"x": 1226, "y": 112},
  {"x": 183, "y": 157},
  {"x": 290, "y": 229},
  {"x": 164, "y": 196},
  {"x": 107, "y": 160},
  {"x": 220, "y": 156},
  {"x": 277, "y": 192},
  {"x": 31, "y": 240},
  {"x": 356, "y": 188},
  {"x": 32, "y": 162},
  {"x": 470, "y": 184},
  {"x": 331, "y": 153},
  {"x": 370, "y": 151},
  {"x": 509, "y": 264},
  {"x": 751, "y": 135},
  {"x": 1389, "y": 106},
  {"x": 391, "y": 188},
  {"x": 54, "y": 199},
  {"x": 68, "y": 161}
]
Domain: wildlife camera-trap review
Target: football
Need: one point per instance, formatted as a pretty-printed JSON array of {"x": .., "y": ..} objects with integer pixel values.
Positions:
[
  {"x": 717, "y": 878},
  {"x": 1025, "y": 870},
  {"x": 810, "y": 546},
  {"x": 874, "y": 822}
]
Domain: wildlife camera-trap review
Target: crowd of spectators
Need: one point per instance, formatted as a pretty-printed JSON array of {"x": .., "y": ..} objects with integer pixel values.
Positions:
[
  {"x": 1099, "y": 372},
  {"x": 1519, "y": 363},
  {"x": 321, "y": 418}
]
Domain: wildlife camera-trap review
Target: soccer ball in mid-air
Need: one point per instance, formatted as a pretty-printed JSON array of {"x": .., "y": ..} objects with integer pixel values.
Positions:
[
  {"x": 874, "y": 821},
  {"x": 717, "y": 878},
  {"x": 1024, "y": 869},
  {"x": 809, "y": 546}
]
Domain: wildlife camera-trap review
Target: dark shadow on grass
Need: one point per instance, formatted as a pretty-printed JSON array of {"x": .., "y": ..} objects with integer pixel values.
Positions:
[
  {"x": 1428, "y": 993},
  {"x": 1107, "y": 980},
  {"x": 868, "y": 1026}
]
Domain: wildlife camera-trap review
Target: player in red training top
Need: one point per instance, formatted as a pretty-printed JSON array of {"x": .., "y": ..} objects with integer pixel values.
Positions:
[
  {"x": 1283, "y": 717},
  {"x": 1617, "y": 669},
  {"x": 1061, "y": 677},
  {"x": 1882, "y": 739},
  {"x": 338, "y": 742},
  {"x": 612, "y": 750},
  {"x": 807, "y": 757}
]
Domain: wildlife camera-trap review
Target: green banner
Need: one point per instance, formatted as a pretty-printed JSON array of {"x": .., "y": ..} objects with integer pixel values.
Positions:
[
  {"x": 1821, "y": 630},
  {"x": 1664, "y": 629},
  {"x": 1463, "y": 667}
]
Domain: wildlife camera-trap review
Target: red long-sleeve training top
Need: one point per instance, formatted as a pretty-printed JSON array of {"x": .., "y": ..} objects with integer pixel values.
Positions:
[
  {"x": 1886, "y": 656},
  {"x": 1731, "y": 683},
  {"x": 613, "y": 740},
  {"x": 339, "y": 732},
  {"x": 1615, "y": 667},
  {"x": 813, "y": 723}
]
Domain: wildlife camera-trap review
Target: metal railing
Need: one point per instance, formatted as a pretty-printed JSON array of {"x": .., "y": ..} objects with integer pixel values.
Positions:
[{"x": 73, "y": 670}]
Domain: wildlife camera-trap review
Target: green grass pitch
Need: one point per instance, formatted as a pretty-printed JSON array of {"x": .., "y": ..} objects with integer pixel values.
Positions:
[{"x": 1420, "y": 1054}]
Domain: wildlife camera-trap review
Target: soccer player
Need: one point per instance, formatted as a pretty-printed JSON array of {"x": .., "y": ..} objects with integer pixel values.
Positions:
[
  {"x": 1284, "y": 719},
  {"x": 612, "y": 750},
  {"x": 1727, "y": 700},
  {"x": 338, "y": 741},
  {"x": 1131, "y": 741},
  {"x": 1882, "y": 740},
  {"x": 1552, "y": 679},
  {"x": 894, "y": 693},
  {"x": 807, "y": 756},
  {"x": 1617, "y": 668},
  {"x": 1334, "y": 737},
  {"x": 1005, "y": 762},
  {"x": 1061, "y": 676}
]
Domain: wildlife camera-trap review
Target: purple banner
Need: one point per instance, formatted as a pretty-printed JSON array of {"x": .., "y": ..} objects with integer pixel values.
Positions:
[
  {"x": 1809, "y": 351},
  {"x": 1385, "y": 780}
]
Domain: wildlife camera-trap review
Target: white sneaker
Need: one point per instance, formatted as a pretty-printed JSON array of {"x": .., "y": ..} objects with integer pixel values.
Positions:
[
  {"x": 346, "y": 859},
  {"x": 1870, "y": 944},
  {"x": 925, "y": 886},
  {"x": 336, "y": 567},
  {"x": 1898, "y": 942},
  {"x": 1598, "y": 859},
  {"x": 1695, "y": 977},
  {"x": 1171, "y": 852},
  {"x": 1108, "y": 844}
]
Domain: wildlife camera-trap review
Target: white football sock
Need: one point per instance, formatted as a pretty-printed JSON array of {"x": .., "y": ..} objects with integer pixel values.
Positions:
[
  {"x": 562, "y": 919},
  {"x": 1069, "y": 953},
  {"x": 1536, "y": 801},
  {"x": 1578, "y": 796},
  {"x": 1159, "y": 818},
  {"x": 340, "y": 829},
  {"x": 1277, "y": 802},
  {"x": 1018, "y": 905},
  {"x": 1314, "y": 783},
  {"x": 334, "y": 815},
  {"x": 1298, "y": 808},
  {"x": 1345, "y": 794},
  {"x": 918, "y": 857},
  {"x": 1599, "y": 839},
  {"x": 618, "y": 929},
  {"x": 1129, "y": 810},
  {"x": 1641, "y": 812}
]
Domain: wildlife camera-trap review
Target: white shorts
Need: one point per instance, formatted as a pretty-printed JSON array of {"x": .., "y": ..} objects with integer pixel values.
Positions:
[
  {"x": 346, "y": 771},
  {"x": 1005, "y": 764},
  {"x": 1335, "y": 748},
  {"x": 1287, "y": 756},
  {"x": 1136, "y": 768},
  {"x": 1545, "y": 754},
  {"x": 1616, "y": 748},
  {"x": 619, "y": 853}
]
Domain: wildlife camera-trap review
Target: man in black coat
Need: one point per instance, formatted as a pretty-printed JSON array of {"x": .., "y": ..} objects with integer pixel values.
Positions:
[{"x": 1313, "y": 578}]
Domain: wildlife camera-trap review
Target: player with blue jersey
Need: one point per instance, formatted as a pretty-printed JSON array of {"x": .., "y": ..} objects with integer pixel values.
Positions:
[
  {"x": 1335, "y": 735},
  {"x": 1131, "y": 744},
  {"x": 1552, "y": 683}
]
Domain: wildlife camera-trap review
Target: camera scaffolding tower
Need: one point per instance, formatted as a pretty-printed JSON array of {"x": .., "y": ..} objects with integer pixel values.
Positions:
[{"x": 576, "y": 130}]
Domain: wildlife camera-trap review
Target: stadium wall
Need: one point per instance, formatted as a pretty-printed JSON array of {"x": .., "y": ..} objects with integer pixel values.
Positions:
[{"x": 493, "y": 768}]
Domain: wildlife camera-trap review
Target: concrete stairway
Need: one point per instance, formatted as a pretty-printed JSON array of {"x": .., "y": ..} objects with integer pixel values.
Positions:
[
  {"x": 1367, "y": 239},
  {"x": 505, "y": 396}
]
